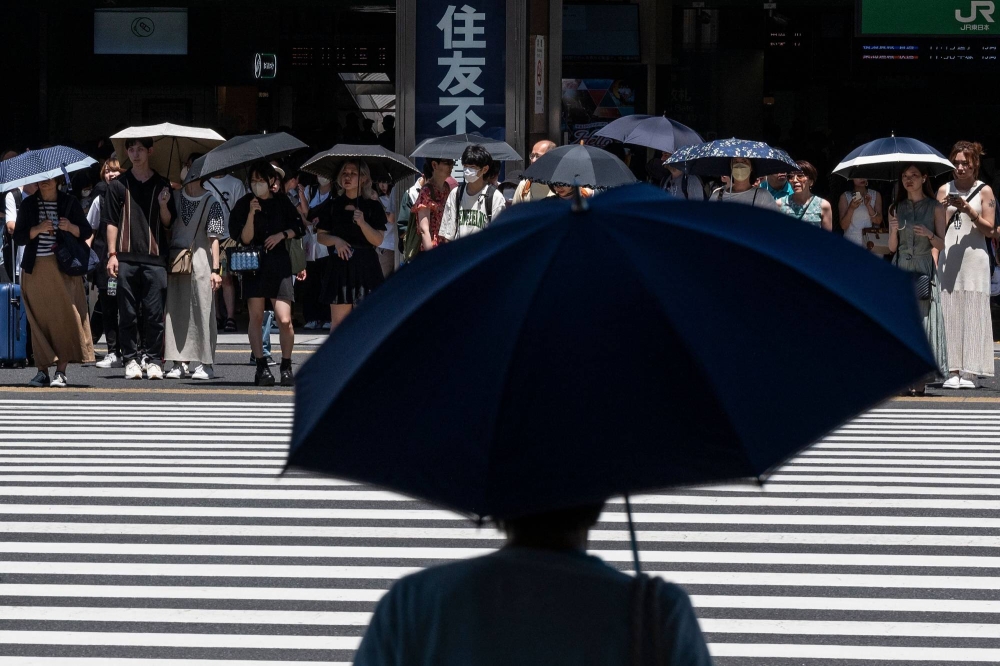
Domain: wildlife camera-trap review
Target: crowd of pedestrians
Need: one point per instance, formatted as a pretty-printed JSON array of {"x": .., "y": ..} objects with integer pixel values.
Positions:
[{"x": 165, "y": 292}]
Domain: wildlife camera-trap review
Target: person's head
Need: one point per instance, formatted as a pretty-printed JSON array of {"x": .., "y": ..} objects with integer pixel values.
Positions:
[
  {"x": 966, "y": 156},
  {"x": 263, "y": 179},
  {"x": 915, "y": 179},
  {"x": 562, "y": 191},
  {"x": 741, "y": 169},
  {"x": 777, "y": 181},
  {"x": 139, "y": 151},
  {"x": 540, "y": 149},
  {"x": 48, "y": 189},
  {"x": 507, "y": 190},
  {"x": 438, "y": 170},
  {"x": 8, "y": 154},
  {"x": 354, "y": 179},
  {"x": 674, "y": 171},
  {"x": 493, "y": 175},
  {"x": 561, "y": 529},
  {"x": 804, "y": 179},
  {"x": 289, "y": 179},
  {"x": 859, "y": 183},
  {"x": 110, "y": 169},
  {"x": 186, "y": 168},
  {"x": 476, "y": 161},
  {"x": 389, "y": 123},
  {"x": 382, "y": 186}
]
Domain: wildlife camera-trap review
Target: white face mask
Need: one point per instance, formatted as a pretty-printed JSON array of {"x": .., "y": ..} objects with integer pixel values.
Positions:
[
  {"x": 85, "y": 193},
  {"x": 260, "y": 189},
  {"x": 471, "y": 175},
  {"x": 184, "y": 173},
  {"x": 323, "y": 182}
]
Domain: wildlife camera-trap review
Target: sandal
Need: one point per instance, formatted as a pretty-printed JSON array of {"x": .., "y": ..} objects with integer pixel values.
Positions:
[{"x": 230, "y": 326}]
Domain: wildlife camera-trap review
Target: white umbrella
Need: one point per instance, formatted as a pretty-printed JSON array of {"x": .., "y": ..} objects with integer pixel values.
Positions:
[{"x": 172, "y": 144}]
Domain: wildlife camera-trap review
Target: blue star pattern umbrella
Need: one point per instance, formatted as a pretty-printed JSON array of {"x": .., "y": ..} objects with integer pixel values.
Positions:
[
  {"x": 35, "y": 166},
  {"x": 713, "y": 158},
  {"x": 884, "y": 159}
]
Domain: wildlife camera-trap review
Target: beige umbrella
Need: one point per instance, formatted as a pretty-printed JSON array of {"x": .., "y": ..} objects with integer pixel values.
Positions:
[{"x": 172, "y": 144}]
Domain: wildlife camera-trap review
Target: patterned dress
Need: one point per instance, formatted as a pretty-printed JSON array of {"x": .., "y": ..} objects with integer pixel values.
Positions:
[
  {"x": 811, "y": 211},
  {"x": 433, "y": 201}
]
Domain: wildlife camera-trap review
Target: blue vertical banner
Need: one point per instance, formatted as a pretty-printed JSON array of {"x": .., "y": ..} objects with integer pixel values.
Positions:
[{"x": 461, "y": 68}]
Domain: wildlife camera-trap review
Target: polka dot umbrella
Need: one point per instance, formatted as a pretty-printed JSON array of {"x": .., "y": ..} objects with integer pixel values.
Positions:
[{"x": 34, "y": 166}]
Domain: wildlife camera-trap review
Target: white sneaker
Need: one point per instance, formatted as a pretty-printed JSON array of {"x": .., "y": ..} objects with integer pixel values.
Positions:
[
  {"x": 109, "y": 361},
  {"x": 952, "y": 382},
  {"x": 58, "y": 380},
  {"x": 967, "y": 383},
  {"x": 153, "y": 371},
  {"x": 177, "y": 372},
  {"x": 311, "y": 325},
  {"x": 326, "y": 326},
  {"x": 133, "y": 370},
  {"x": 203, "y": 372}
]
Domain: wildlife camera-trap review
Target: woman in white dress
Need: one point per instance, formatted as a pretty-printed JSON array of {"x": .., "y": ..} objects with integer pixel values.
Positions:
[
  {"x": 859, "y": 208},
  {"x": 964, "y": 269}
]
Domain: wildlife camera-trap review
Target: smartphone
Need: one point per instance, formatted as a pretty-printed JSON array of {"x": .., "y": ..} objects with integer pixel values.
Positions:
[{"x": 857, "y": 196}]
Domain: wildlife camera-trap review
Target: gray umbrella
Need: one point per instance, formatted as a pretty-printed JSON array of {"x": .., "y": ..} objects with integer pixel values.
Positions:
[
  {"x": 452, "y": 147},
  {"x": 378, "y": 159},
  {"x": 242, "y": 151},
  {"x": 582, "y": 165}
]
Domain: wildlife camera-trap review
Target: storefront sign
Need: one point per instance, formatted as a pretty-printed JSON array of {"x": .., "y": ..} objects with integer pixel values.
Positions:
[
  {"x": 539, "y": 74},
  {"x": 265, "y": 66},
  {"x": 929, "y": 17},
  {"x": 460, "y": 68},
  {"x": 141, "y": 31}
]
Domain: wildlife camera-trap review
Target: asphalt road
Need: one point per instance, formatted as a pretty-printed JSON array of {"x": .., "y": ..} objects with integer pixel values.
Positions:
[{"x": 145, "y": 520}]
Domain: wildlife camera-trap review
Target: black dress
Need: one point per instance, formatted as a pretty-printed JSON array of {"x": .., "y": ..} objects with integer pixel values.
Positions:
[
  {"x": 277, "y": 214},
  {"x": 348, "y": 282}
]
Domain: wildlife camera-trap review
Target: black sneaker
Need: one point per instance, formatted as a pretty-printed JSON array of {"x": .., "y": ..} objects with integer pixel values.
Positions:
[
  {"x": 287, "y": 379},
  {"x": 41, "y": 380},
  {"x": 263, "y": 376},
  {"x": 267, "y": 357}
]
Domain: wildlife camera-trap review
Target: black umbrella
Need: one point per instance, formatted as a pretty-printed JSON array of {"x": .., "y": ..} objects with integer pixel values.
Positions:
[
  {"x": 378, "y": 159},
  {"x": 582, "y": 165},
  {"x": 242, "y": 151},
  {"x": 452, "y": 147}
]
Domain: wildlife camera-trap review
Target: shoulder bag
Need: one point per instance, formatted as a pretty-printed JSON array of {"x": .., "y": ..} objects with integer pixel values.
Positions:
[
  {"x": 73, "y": 256},
  {"x": 297, "y": 253}
]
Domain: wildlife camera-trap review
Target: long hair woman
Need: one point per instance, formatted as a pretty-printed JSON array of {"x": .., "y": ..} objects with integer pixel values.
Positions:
[
  {"x": 965, "y": 268},
  {"x": 55, "y": 302},
  {"x": 916, "y": 235},
  {"x": 353, "y": 225}
]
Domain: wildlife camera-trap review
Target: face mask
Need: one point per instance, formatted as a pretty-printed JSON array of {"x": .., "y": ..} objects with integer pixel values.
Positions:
[
  {"x": 84, "y": 193},
  {"x": 471, "y": 175},
  {"x": 184, "y": 173},
  {"x": 323, "y": 182},
  {"x": 741, "y": 172},
  {"x": 260, "y": 190}
]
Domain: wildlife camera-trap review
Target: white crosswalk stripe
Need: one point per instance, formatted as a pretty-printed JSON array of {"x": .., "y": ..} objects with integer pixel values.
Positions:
[{"x": 179, "y": 544}]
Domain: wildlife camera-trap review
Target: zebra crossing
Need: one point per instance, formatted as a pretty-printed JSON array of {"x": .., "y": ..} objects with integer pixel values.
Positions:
[{"x": 167, "y": 538}]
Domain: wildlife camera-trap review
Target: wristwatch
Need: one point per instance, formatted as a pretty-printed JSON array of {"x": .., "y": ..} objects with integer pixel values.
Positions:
[{"x": 217, "y": 271}]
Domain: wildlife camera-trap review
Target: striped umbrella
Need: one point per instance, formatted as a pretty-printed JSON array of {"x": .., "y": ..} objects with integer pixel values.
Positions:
[
  {"x": 884, "y": 159},
  {"x": 35, "y": 166}
]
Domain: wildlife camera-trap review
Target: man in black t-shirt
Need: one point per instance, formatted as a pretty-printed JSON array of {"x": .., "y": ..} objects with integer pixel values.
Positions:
[{"x": 138, "y": 211}]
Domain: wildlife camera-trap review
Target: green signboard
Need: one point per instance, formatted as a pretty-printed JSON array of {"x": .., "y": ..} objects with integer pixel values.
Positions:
[{"x": 963, "y": 18}]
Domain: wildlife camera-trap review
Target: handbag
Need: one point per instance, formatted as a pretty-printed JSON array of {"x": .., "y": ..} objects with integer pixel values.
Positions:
[
  {"x": 297, "y": 253},
  {"x": 73, "y": 256},
  {"x": 181, "y": 260},
  {"x": 876, "y": 240},
  {"x": 244, "y": 258},
  {"x": 922, "y": 285}
]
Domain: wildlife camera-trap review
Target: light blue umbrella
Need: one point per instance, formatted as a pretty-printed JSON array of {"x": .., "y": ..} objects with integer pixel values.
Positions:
[
  {"x": 35, "y": 166},
  {"x": 713, "y": 158}
]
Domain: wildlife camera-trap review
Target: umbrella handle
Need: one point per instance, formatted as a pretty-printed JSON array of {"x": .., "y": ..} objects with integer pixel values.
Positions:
[{"x": 631, "y": 532}]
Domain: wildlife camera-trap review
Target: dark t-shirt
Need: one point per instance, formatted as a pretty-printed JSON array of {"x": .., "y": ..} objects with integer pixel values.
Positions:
[
  {"x": 276, "y": 215},
  {"x": 142, "y": 237},
  {"x": 335, "y": 219}
]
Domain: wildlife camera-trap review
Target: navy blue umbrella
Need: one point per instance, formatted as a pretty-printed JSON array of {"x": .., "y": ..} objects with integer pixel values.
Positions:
[
  {"x": 34, "y": 166},
  {"x": 619, "y": 128},
  {"x": 663, "y": 134},
  {"x": 560, "y": 358},
  {"x": 884, "y": 159},
  {"x": 714, "y": 158}
]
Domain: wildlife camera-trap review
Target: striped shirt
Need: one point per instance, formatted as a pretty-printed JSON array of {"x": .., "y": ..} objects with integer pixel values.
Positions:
[{"x": 47, "y": 210}]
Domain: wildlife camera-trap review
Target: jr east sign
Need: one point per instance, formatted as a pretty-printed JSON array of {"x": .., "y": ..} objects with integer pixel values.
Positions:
[
  {"x": 460, "y": 68},
  {"x": 929, "y": 17}
]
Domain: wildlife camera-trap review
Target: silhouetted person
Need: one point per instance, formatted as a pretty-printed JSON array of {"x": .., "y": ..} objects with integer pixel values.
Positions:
[{"x": 387, "y": 139}]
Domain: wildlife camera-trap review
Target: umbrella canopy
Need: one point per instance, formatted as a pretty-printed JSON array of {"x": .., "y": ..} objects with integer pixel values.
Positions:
[
  {"x": 663, "y": 134},
  {"x": 34, "y": 166},
  {"x": 713, "y": 158},
  {"x": 600, "y": 370},
  {"x": 242, "y": 151},
  {"x": 452, "y": 147},
  {"x": 884, "y": 159},
  {"x": 327, "y": 163},
  {"x": 619, "y": 128},
  {"x": 172, "y": 144},
  {"x": 578, "y": 164}
]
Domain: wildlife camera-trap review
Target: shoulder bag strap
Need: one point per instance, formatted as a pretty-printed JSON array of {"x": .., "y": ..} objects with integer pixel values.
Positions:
[
  {"x": 221, "y": 197},
  {"x": 756, "y": 191},
  {"x": 206, "y": 208}
]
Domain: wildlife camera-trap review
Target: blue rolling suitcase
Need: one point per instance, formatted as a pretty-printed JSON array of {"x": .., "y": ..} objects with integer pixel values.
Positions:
[{"x": 13, "y": 327}]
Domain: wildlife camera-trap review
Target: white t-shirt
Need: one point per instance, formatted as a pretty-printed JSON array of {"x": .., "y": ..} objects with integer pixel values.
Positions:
[
  {"x": 228, "y": 190},
  {"x": 389, "y": 241},
  {"x": 695, "y": 189},
  {"x": 459, "y": 221},
  {"x": 94, "y": 214},
  {"x": 755, "y": 196}
]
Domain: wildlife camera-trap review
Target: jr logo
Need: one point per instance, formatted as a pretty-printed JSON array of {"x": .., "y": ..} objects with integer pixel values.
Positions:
[{"x": 984, "y": 7}]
